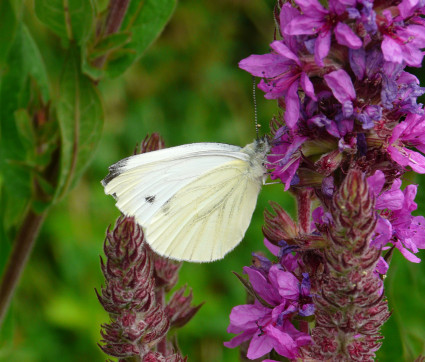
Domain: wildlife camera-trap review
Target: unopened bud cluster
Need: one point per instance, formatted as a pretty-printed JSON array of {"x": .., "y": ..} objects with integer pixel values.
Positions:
[{"x": 134, "y": 295}]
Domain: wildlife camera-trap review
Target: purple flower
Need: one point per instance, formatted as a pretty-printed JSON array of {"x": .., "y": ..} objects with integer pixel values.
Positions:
[
  {"x": 366, "y": 16},
  {"x": 403, "y": 43},
  {"x": 410, "y": 133},
  {"x": 400, "y": 89},
  {"x": 284, "y": 73},
  {"x": 318, "y": 20},
  {"x": 338, "y": 126},
  {"x": 269, "y": 326},
  {"x": 408, "y": 92},
  {"x": 408, "y": 7},
  {"x": 396, "y": 223},
  {"x": 285, "y": 156},
  {"x": 343, "y": 90}
]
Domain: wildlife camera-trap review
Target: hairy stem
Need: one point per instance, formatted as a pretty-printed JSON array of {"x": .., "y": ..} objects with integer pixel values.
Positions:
[{"x": 22, "y": 247}]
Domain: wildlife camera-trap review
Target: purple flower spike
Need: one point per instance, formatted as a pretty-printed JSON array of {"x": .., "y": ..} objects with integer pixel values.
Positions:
[
  {"x": 136, "y": 280},
  {"x": 351, "y": 127}
]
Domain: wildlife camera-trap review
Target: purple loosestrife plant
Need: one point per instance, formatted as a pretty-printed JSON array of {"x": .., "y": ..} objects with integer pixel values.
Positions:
[
  {"x": 136, "y": 282},
  {"x": 351, "y": 127}
]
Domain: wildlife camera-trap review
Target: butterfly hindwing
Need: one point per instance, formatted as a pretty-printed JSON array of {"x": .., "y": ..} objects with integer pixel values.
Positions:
[{"x": 208, "y": 217}]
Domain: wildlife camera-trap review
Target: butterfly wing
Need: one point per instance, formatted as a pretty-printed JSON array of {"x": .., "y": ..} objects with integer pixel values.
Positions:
[
  {"x": 208, "y": 217},
  {"x": 194, "y": 201},
  {"x": 141, "y": 184}
]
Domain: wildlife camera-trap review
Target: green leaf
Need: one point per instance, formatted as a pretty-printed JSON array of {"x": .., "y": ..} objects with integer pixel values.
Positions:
[
  {"x": 80, "y": 116},
  {"x": 24, "y": 63},
  {"x": 25, "y": 130},
  {"x": 8, "y": 25},
  {"x": 109, "y": 43},
  {"x": 405, "y": 331},
  {"x": 145, "y": 20},
  {"x": 69, "y": 19}
]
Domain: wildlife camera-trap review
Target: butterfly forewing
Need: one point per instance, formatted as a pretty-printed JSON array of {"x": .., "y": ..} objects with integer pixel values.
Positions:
[{"x": 141, "y": 184}]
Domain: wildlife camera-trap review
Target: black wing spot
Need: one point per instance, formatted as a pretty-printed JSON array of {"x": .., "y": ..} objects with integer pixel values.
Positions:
[
  {"x": 114, "y": 171},
  {"x": 109, "y": 177},
  {"x": 150, "y": 199}
]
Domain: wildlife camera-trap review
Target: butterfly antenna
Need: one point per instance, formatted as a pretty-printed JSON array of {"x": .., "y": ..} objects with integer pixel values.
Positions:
[{"x": 257, "y": 126}]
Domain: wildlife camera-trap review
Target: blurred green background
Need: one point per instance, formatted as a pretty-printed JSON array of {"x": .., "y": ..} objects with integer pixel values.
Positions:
[{"x": 188, "y": 88}]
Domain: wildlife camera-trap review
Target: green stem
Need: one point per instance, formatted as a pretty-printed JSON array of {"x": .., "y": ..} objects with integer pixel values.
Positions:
[{"x": 22, "y": 247}]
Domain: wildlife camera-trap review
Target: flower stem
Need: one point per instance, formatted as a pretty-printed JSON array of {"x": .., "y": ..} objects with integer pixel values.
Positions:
[
  {"x": 117, "y": 11},
  {"x": 22, "y": 247}
]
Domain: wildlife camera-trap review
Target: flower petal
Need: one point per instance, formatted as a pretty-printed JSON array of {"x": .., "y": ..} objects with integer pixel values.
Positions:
[
  {"x": 376, "y": 182},
  {"x": 406, "y": 7},
  {"x": 406, "y": 253},
  {"x": 383, "y": 232},
  {"x": 292, "y": 112},
  {"x": 312, "y": 8},
  {"x": 283, "y": 342},
  {"x": 272, "y": 248},
  {"x": 321, "y": 47},
  {"x": 303, "y": 25},
  {"x": 260, "y": 344},
  {"x": 266, "y": 65},
  {"x": 391, "y": 50},
  {"x": 245, "y": 316},
  {"x": 345, "y": 36},
  {"x": 406, "y": 157},
  {"x": 284, "y": 51},
  {"x": 341, "y": 85},
  {"x": 286, "y": 283},
  {"x": 382, "y": 266},
  {"x": 262, "y": 286},
  {"x": 236, "y": 341},
  {"x": 357, "y": 59},
  {"x": 307, "y": 86}
]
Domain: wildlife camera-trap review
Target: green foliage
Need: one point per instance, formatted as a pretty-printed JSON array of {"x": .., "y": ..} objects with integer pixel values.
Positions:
[
  {"x": 70, "y": 20},
  {"x": 25, "y": 67},
  {"x": 109, "y": 54},
  {"x": 80, "y": 117},
  {"x": 51, "y": 124},
  {"x": 7, "y": 30}
]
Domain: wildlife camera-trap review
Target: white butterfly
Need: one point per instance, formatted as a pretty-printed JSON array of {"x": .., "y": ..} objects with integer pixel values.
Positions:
[{"x": 194, "y": 201}]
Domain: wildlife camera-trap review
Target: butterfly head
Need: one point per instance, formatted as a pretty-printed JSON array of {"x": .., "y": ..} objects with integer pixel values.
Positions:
[{"x": 262, "y": 145}]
